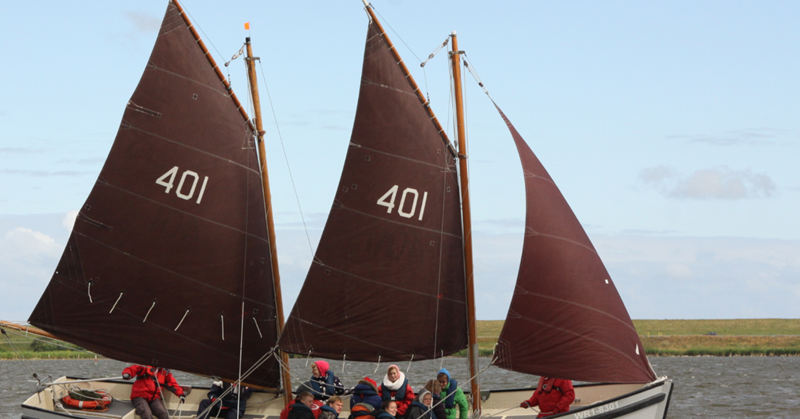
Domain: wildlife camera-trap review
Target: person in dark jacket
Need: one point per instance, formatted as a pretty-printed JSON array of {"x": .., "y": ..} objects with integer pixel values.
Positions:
[
  {"x": 395, "y": 387},
  {"x": 388, "y": 410},
  {"x": 230, "y": 406},
  {"x": 332, "y": 408},
  {"x": 361, "y": 410},
  {"x": 302, "y": 407},
  {"x": 552, "y": 395},
  {"x": 421, "y": 407},
  {"x": 323, "y": 382},
  {"x": 366, "y": 391},
  {"x": 148, "y": 389},
  {"x": 438, "y": 408}
]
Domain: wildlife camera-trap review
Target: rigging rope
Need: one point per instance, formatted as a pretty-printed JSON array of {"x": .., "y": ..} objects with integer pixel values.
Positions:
[
  {"x": 25, "y": 362},
  {"x": 286, "y": 158}
]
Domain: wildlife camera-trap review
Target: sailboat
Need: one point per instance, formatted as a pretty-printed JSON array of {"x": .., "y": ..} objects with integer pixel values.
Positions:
[{"x": 171, "y": 253}]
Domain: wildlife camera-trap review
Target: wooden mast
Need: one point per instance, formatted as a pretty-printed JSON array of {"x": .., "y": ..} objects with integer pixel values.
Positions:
[
  {"x": 467, "y": 226},
  {"x": 276, "y": 276}
]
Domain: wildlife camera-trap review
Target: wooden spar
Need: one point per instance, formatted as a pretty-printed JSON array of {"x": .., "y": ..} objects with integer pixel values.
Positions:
[
  {"x": 213, "y": 63},
  {"x": 409, "y": 77},
  {"x": 466, "y": 218},
  {"x": 27, "y": 329},
  {"x": 276, "y": 276}
]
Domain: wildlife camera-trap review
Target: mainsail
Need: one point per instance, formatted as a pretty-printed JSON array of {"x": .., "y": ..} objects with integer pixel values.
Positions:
[
  {"x": 171, "y": 245},
  {"x": 566, "y": 318},
  {"x": 387, "y": 281}
]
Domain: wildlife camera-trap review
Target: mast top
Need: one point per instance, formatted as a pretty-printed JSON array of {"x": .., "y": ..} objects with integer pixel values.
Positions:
[{"x": 366, "y": 3}]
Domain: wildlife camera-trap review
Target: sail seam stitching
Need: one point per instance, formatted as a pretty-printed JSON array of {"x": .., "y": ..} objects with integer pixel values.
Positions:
[
  {"x": 400, "y": 223},
  {"x": 445, "y": 168},
  {"x": 577, "y": 305}
]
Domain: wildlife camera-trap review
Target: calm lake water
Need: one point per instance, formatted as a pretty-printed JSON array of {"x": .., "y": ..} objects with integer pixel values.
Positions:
[{"x": 705, "y": 387}]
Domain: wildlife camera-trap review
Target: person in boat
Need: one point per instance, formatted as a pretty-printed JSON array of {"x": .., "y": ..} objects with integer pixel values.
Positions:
[
  {"x": 230, "y": 406},
  {"x": 361, "y": 409},
  {"x": 148, "y": 390},
  {"x": 395, "y": 387},
  {"x": 366, "y": 391},
  {"x": 552, "y": 395},
  {"x": 332, "y": 408},
  {"x": 453, "y": 396},
  {"x": 323, "y": 382},
  {"x": 388, "y": 410},
  {"x": 421, "y": 406},
  {"x": 315, "y": 406},
  {"x": 301, "y": 409},
  {"x": 436, "y": 389}
]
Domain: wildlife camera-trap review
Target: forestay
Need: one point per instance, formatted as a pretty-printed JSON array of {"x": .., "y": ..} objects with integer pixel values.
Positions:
[
  {"x": 387, "y": 281},
  {"x": 172, "y": 241},
  {"x": 566, "y": 318}
]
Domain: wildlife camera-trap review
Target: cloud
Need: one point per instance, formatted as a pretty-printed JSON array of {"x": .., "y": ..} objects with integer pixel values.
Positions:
[
  {"x": 69, "y": 219},
  {"x": 42, "y": 173},
  {"x": 747, "y": 136},
  {"x": 143, "y": 21},
  {"x": 716, "y": 183},
  {"x": 27, "y": 260}
]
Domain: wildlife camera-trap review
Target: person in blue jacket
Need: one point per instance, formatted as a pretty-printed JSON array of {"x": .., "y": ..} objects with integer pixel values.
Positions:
[
  {"x": 366, "y": 391},
  {"x": 323, "y": 383}
]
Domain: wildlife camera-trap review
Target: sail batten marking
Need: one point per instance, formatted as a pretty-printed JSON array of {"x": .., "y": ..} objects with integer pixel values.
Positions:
[
  {"x": 262, "y": 303},
  {"x": 148, "y": 311},
  {"x": 193, "y": 148},
  {"x": 401, "y": 223},
  {"x": 366, "y": 81},
  {"x": 425, "y": 294},
  {"x": 552, "y": 236},
  {"x": 182, "y": 319},
  {"x": 165, "y": 71},
  {"x": 264, "y": 239},
  {"x": 116, "y": 302},
  {"x": 561, "y": 300},
  {"x": 438, "y": 166}
]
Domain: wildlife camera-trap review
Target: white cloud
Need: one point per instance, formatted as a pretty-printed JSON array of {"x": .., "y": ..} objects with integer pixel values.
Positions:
[
  {"x": 69, "y": 219},
  {"x": 143, "y": 21},
  {"x": 721, "y": 183},
  {"x": 27, "y": 260}
]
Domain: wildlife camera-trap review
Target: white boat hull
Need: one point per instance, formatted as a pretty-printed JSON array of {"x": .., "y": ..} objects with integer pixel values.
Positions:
[{"x": 596, "y": 401}]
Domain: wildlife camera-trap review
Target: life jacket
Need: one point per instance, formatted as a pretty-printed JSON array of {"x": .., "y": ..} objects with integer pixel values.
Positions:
[
  {"x": 546, "y": 385},
  {"x": 329, "y": 386},
  {"x": 386, "y": 394},
  {"x": 450, "y": 398}
]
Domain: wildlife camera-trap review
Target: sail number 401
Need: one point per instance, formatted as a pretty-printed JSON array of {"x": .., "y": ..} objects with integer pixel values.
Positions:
[
  {"x": 167, "y": 180},
  {"x": 387, "y": 200}
]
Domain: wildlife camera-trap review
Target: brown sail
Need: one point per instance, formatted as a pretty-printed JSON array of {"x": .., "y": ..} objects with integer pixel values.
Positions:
[
  {"x": 387, "y": 281},
  {"x": 566, "y": 318},
  {"x": 171, "y": 245}
]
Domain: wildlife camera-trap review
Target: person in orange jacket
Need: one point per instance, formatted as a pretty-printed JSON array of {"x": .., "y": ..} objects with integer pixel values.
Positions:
[
  {"x": 147, "y": 390},
  {"x": 552, "y": 395}
]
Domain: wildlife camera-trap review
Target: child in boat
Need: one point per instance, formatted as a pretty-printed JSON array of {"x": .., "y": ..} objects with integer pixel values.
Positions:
[
  {"x": 230, "y": 406},
  {"x": 323, "y": 382},
  {"x": 421, "y": 407},
  {"x": 366, "y": 391},
  {"x": 361, "y": 410},
  {"x": 332, "y": 408},
  {"x": 395, "y": 387},
  {"x": 552, "y": 395},
  {"x": 388, "y": 410},
  {"x": 148, "y": 390},
  {"x": 438, "y": 408},
  {"x": 452, "y": 396}
]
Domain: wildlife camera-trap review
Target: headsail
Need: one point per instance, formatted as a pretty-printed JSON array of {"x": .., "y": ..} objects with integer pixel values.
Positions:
[
  {"x": 388, "y": 278},
  {"x": 566, "y": 318},
  {"x": 171, "y": 244}
]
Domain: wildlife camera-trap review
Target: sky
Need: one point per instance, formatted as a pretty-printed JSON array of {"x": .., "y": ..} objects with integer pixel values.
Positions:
[{"x": 671, "y": 128}]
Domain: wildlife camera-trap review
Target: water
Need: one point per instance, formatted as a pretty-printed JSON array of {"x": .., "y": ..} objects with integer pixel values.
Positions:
[{"x": 706, "y": 387}]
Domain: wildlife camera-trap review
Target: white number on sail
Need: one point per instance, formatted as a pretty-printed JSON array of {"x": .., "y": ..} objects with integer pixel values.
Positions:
[
  {"x": 167, "y": 180},
  {"x": 388, "y": 204},
  {"x": 387, "y": 200},
  {"x": 171, "y": 173}
]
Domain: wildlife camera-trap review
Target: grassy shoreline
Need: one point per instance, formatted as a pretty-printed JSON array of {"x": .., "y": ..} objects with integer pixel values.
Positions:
[{"x": 736, "y": 337}]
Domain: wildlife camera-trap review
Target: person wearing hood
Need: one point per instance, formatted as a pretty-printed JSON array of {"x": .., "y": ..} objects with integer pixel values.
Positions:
[
  {"x": 395, "y": 387},
  {"x": 552, "y": 395},
  {"x": 332, "y": 408},
  {"x": 323, "y": 383},
  {"x": 421, "y": 407},
  {"x": 148, "y": 389},
  {"x": 360, "y": 410},
  {"x": 452, "y": 396},
  {"x": 388, "y": 410},
  {"x": 436, "y": 390},
  {"x": 366, "y": 391}
]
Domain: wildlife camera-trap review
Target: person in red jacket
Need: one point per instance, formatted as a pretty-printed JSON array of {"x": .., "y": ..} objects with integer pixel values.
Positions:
[
  {"x": 552, "y": 395},
  {"x": 395, "y": 387},
  {"x": 148, "y": 389}
]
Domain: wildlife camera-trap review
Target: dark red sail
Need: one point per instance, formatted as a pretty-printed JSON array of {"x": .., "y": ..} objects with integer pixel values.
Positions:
[
  {"x": 171, "y": 244},
  {"x": 566, "y": 318},
  {"x": 387, "y": 281}
]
